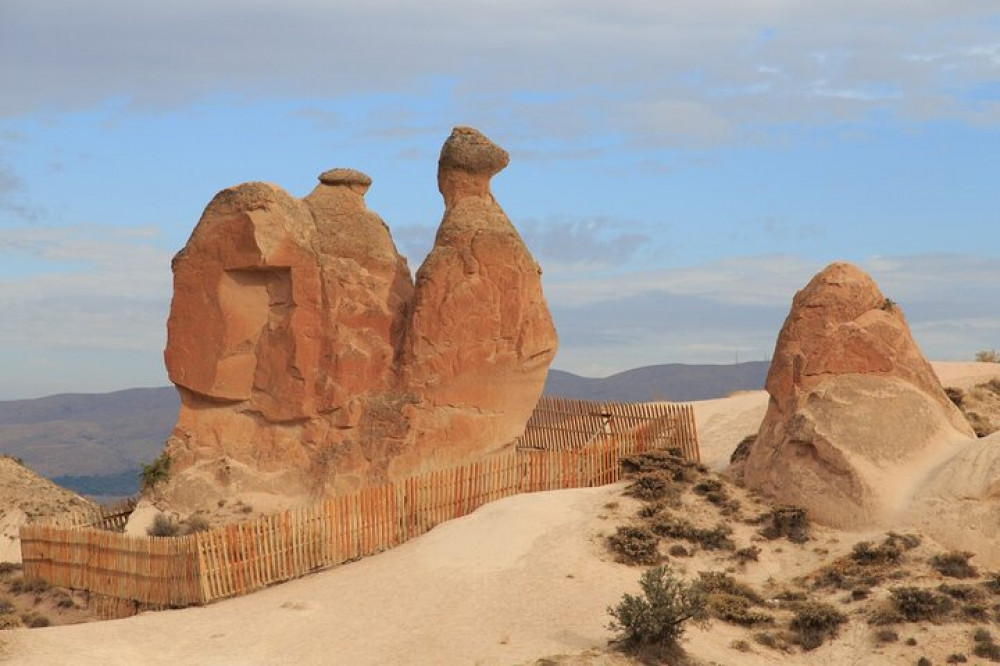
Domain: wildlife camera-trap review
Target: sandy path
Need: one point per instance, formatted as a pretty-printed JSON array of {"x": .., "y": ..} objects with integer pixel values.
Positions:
[{"x": 520, "y": 578}]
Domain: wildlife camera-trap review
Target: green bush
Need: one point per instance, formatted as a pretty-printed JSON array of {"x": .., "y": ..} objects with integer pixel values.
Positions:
[
  {"x": 655, "y": 620},
  {"x": 814, "y": 622},
  {"x": 155, "y": 472}
]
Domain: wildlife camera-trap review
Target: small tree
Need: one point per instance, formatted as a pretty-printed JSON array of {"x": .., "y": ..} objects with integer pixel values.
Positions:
[
  {"x": 655, "y": 621},
  {"x": 156, "y": 471}
]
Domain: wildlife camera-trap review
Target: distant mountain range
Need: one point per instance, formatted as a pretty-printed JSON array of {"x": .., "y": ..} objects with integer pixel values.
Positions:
[
  {"x": 91, "y": 443},
  {"x": 676, "y": 382},
  {"x": 95, "y": 443}
]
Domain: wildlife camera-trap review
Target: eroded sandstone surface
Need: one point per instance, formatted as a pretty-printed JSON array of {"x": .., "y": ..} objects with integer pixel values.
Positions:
[
  {"x": 856, "y": 417},
  {"x": 307, "y": 360}
]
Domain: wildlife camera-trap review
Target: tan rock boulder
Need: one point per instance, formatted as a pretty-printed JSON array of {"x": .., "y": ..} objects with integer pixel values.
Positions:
[
  {"x": 308, "y": 363},
  {"x": 856, "y": 415}
]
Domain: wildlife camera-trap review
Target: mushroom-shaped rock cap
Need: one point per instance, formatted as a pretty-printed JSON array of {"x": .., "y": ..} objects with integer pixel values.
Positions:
[
  {"x": 468, "y": 150},
  {"x": 345, "y": 177}
]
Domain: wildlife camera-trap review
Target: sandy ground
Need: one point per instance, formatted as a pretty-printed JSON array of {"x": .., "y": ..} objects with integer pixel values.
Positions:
[{"x": 519, "y": 579}]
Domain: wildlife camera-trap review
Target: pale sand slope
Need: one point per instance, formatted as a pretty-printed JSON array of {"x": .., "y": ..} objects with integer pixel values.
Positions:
[
  {"x": 519, "y": 579},
  {"x": 723, "y": 422}
]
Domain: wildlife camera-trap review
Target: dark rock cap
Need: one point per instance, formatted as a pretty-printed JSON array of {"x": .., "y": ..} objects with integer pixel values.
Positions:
[
  {"x": 468, "y": 150},
  {"x": 342, "y": 176}
]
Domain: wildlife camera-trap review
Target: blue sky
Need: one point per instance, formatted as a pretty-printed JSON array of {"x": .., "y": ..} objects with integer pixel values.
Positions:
[{"x": 679, "y": 169}]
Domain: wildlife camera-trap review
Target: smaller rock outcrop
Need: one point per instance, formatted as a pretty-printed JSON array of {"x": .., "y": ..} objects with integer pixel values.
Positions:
[
  {"x": 28, "y": 497},
  {"x": 856, "y": 414}
]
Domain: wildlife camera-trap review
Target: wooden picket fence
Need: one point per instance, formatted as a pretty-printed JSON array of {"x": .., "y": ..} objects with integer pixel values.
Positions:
[
  {"x": 130, "y": 573},
  {"x": 112, "y": 516},
  {"x": 559, "y": 424}
]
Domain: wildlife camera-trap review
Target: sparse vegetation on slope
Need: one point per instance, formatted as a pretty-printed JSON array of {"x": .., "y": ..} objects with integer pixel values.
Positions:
[
  {"x": 652, "y": 623},
  {"x": 156, "y": 472}
]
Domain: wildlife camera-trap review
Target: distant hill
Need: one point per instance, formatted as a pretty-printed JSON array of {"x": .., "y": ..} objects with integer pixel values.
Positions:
[
  {"x": 676, "y": 382},
  {"x": 90, "y": 443},
  {"x": 95, "y": 443}
]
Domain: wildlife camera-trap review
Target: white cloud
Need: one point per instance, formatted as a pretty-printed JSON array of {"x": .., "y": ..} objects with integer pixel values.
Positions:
[
  {"x": 712, "y": 312},
  {"x": 688, "y": 70},
  {"x": 89, "y": 288}
]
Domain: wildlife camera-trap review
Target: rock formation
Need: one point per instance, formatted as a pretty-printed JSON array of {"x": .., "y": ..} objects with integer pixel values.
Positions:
[
  {"x": 308, "y": 363},
  {"x": 29, "y": 497},
  {"x": 480, "y": 339},
  {"x": 856, "y": 415}
]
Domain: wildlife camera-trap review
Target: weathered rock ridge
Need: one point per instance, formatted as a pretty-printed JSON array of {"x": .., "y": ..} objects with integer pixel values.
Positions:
[
  {"x": 308, "y": 361},
  {"x": 856, "y": 415}
]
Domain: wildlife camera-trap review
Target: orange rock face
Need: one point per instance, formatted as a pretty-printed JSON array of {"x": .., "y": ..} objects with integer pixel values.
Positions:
[
  {"x": 855, "y": 409},
  {"x": 306, "y": 360}
]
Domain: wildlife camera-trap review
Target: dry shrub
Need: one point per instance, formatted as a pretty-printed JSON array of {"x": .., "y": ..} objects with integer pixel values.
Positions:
[
  {"x": 984, "y": 647},
  {"x": 10, "y": 621},
  {"x": 736, "y": 610},
  {"x": 917, "y": 604},
  {"x": 988, "y": 356},
  {"x": 195, "y": 524},
  {"x": 163, "y": 526},
  {"x": 35, "y": 620},
  {"x": 653, "y": 622},
  {"x": 814, "y": 622},
  {"x": 956, "y": 395},
  {"x": 634, "y": 545},
  {"x": 886, "y": 636},
  {"x": 868, "y": 565},
  {"x": 677, "y": 468},
  {"x": 954, "y": 564},
  {"x": 716, "y": 538},
  {"x": 776, "y": 640},
  {"x": 790, "y": 522},
  {"x": 655, "y": 486},
  {"x": 748, "y": 554},
  {"x": 742, "y": 451}
]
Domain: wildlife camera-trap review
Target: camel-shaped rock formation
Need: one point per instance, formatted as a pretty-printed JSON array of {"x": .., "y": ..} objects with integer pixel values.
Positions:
[{"x": 308, "y": 362}]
